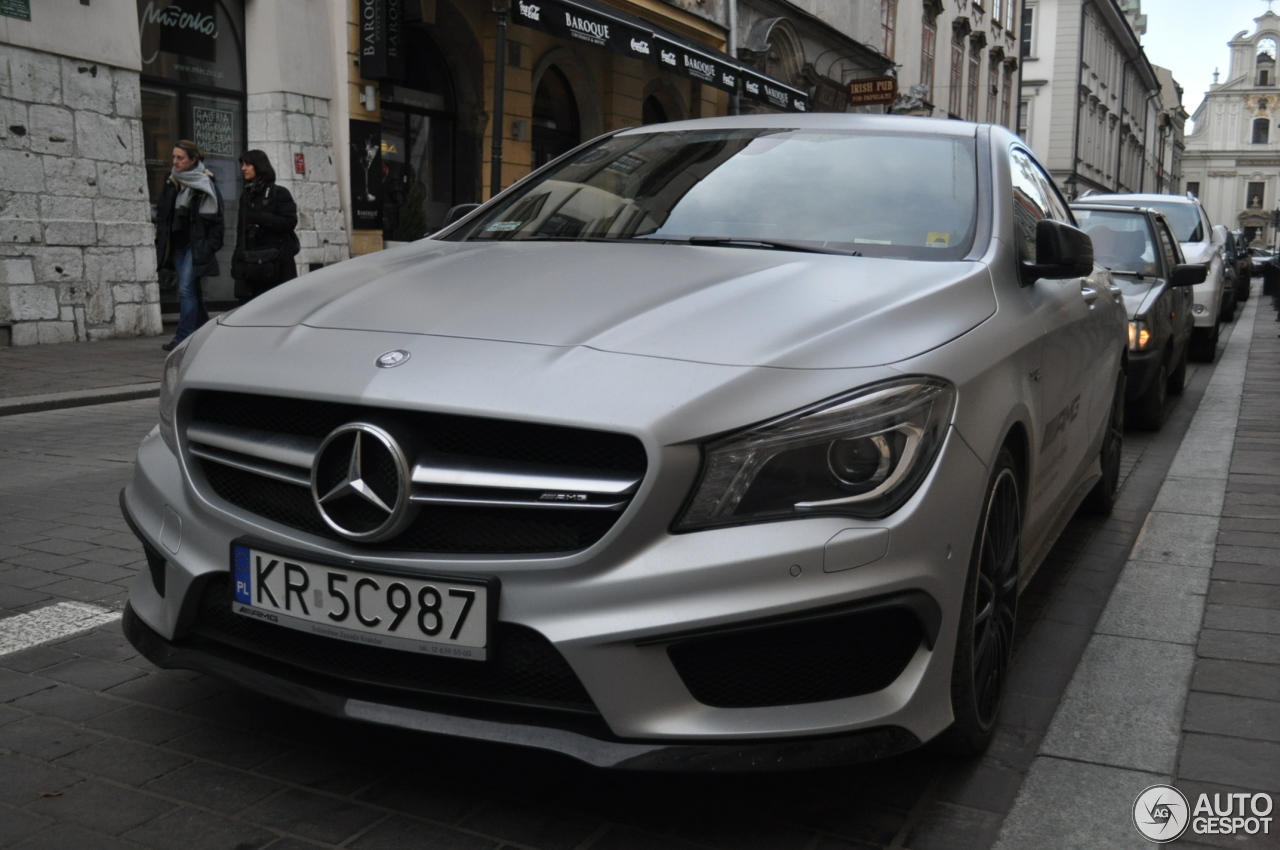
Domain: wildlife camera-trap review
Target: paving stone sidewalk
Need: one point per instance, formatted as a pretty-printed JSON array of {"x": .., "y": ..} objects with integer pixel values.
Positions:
[
  {"x": 1180, "y": 681},
  {"x": 80, "y": 366}
]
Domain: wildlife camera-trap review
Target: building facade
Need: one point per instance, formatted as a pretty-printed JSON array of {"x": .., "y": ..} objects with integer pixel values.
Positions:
[
  {"x": 378, "y": 116},
  {"x": 1090, "y": 99},
  {"x": 955, "y": 60},
  {"x": 1232, "y": 159}
]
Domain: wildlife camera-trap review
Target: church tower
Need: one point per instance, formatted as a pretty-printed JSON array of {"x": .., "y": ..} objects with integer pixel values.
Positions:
[{"x": 1232, "y": 160}]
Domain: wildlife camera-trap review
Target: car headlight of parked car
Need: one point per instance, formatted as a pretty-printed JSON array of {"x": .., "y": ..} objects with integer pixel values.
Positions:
[
  {"x": 1139, "y": 335},
  {"x": 169, "y": 395},
  {"x": 861, "y": 454}
]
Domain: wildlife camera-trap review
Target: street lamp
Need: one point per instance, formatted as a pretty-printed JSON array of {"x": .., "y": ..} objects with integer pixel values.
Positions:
[{"x": 1070, "y": 186}]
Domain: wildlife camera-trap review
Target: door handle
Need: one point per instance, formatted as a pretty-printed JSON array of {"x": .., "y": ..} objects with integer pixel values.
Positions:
[{"x": 1089, "y": 294}]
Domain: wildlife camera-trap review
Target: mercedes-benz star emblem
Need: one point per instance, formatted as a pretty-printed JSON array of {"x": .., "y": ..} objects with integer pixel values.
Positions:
[
  {"x": 361, "y": 482},
  {"x": 393, "y": 358}
]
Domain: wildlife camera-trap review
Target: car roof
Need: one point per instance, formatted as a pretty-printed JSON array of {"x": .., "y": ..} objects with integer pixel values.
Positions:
[
  {"x": 821, "y": 121},
  {"x": 1131, "y": 198}
]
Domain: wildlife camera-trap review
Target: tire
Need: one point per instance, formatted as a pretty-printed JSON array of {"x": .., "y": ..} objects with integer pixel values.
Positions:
[
  {"x": 1178, "y": 377},
  {"x": 1227, "y": 310},
  {"x": 984, "y": 644},
  {"x": 1102, "y": 498},
  {"x": 1147, "y": 411},
  {"x": 1204, "y": 344}
]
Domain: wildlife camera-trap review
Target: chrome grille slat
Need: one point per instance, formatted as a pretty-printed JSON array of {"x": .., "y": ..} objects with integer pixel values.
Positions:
[
  {"x": 440, "y": 471},
  {"x": 248, "y": 463},
  {"x": 285, "y": 449},
  {"x": 531, "y": 502}
]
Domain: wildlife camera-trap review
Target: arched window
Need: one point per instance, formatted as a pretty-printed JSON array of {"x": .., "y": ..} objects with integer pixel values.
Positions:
[
  {"x": 1266, "y": 63},
  {"x": 555, "y": 118},
  {"x": 652, "y": 112},
  {"x": 1261, "y": 130}
]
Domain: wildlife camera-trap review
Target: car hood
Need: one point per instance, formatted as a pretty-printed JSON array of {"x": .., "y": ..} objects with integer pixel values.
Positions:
[
  {"x": 1197, "y": 252},
  {"x": 715, "y": 305},
  {"x": 1139, "y": 295}
]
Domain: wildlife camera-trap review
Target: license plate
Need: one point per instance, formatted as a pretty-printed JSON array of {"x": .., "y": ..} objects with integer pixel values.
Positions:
[{"x": 410, "y": 613}]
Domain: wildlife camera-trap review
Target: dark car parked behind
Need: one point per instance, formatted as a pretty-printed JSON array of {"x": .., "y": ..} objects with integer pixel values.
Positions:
[{"x": 1138, "y": 246}]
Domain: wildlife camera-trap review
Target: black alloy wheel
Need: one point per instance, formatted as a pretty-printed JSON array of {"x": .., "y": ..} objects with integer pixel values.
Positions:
[
  {"x": 1204, "y": 344},
  {"x": 1147, "y": 410},
  {"x": 984, "y": 644},
  {"x": 1178, "y": 377},
  {"x": 1102, "y": 498}
]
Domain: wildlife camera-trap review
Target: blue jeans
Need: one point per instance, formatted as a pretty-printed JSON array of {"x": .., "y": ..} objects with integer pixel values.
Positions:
[{"x": 191, "y": 310}]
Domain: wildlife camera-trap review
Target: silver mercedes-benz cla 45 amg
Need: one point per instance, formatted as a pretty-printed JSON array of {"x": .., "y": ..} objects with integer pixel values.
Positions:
[{"x": 715, "y": 444}]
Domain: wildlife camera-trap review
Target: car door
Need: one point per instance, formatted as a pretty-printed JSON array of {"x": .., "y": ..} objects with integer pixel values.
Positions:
[
  {"x": 1074, "y": 385},
  {"x": 1178, "y": 300}
]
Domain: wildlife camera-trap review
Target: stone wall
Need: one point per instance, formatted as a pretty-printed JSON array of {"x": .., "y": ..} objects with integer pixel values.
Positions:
[
  {"x": 282, "y": 124},
  {"x": 77, "y": 255}
]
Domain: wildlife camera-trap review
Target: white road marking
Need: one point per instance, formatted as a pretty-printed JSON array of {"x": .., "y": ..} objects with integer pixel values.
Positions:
[{"x": 57, "y": 621}]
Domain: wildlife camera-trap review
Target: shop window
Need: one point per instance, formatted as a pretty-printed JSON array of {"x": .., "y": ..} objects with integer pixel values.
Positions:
[
  {"x": 418, "y": 144},
  {"x": 555, "y": 118},
  {"x": 193, "y": 87}
]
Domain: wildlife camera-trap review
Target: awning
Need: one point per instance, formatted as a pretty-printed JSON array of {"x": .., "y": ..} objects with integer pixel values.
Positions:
[{"x": 597, "y": 25}]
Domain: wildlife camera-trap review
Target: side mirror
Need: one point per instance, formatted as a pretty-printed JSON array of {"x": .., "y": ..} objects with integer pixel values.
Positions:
[
  {"x": 1188, "y": 274},
  {"x": 458, "y": 213},
  {"x": 1062, "y": 251}
]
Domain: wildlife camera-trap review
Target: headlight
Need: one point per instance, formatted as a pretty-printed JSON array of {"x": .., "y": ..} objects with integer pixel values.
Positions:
[
  {"x": 861, "y": 454},
  {"x": 1139, "y": 335},
  {"x": 169, "y": 394}
]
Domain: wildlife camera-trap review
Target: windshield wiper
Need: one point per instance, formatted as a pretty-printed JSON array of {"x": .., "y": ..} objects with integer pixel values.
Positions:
[
  {"x": 777, "y": 244},
  {"x": 1138, "y": 275}
]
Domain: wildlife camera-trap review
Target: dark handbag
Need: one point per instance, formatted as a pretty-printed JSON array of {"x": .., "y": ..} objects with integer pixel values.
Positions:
[{"x": 261, "y": 265}]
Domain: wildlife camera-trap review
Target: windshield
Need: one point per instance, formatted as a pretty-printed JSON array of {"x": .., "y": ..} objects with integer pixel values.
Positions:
[
  {"x": 1183, "y": 218},
  {"x": 1121, "y": 240},
  {"x": 871, "y": 194}
]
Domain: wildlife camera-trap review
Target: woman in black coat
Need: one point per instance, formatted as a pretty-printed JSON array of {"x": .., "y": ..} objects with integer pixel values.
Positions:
[{"x": 268, "y": 216}]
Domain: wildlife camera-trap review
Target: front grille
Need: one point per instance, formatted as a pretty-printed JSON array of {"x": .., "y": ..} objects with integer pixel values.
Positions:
[
  {"x": 475, "y": 531},
  {"x": 523, "y": 525},
  {"x": 523, "y": 669},
  {"x": 809, "y": 661}
]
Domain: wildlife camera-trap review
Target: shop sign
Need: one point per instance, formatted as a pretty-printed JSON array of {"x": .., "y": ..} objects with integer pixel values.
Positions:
[
  {"x": 873, "y": 92},
  {"x": 769, "y": 91},
  {"x": 584, "y": 25},
  {"x": 20, "y": 9},
  {"x": 382, "y": 39},
  {"x": 366, "y": 175},
  {"x": 213, "y": 131},
  {"x": 187, "y": 29},
  {"x": 299, "y": 163},
  {"x": 697, "y": 65}
]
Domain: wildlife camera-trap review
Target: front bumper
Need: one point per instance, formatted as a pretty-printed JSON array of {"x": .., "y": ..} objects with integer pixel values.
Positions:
[
  {"x": 592, "y": 744},
  {"x": 613, "y": 612}
]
